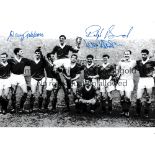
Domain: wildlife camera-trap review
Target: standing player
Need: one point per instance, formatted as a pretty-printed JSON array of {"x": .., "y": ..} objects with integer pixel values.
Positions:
[
  {"x": 37, "y": 77},
  {"x": 5, "y": 82},
  {"x": 75, "y": 71},
  {"x": 105, "y": 73},
  {"x": 91, "y": 70},
  {"x": 18, "y": 64},
  {"x": 51, "y": 82},
  {"x": 126, "y": 84},
  {"x": 146, "y": 81}
]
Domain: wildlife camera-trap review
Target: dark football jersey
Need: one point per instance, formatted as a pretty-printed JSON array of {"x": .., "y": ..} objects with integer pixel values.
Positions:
[
  {"x": 37, "y": 69},
  {"x": 63, "y": 52},
  {"x": 87, "y": 94},
  {"x": 145, "y": 70},
  {"x": 106, "y": 72},
  {"x": 18, "y": 67},
  {"x": 91, "y": 71},
  {"x": 5, "y": 71},
  {"x": 75, "y": 70},
  {"x": 49, "y": 71}
]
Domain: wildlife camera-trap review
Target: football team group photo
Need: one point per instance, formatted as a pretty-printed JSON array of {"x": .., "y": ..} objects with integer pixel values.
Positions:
[{"x": 58, "y": 82}]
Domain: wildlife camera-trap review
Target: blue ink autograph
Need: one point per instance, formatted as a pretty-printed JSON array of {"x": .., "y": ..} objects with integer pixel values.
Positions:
[
  {"x": 102, "y": 44},
  {"x": 25, "y": 35},
  {"x": 96, "y": 31}
]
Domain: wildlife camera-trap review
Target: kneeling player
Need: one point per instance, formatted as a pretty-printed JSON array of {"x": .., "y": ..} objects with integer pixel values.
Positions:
[
  {"x": 4, "y": 82},
  {"x": 87, "y": 97},
  {"x": 105, "y": 73}
]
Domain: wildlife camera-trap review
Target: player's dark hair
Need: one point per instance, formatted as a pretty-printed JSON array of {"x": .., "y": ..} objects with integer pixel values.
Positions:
[
  {"x": 74, "y": 55},
  {"x": 88, "y": 79},
  {"x": 62, "y": 36},
  {"x": 16, "y": 50},
  {"x": 49, "y": 55},
  {"x": 90, "y": 56},
  {"x": 145, "y": 51},
  {"x": 38, "y": 50},
  {"x": 4, "y": 54},
  {"x": 106, "y": 55}
]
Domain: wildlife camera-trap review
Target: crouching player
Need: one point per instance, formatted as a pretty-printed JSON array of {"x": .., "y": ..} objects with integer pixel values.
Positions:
[
  {"x": 5, "y": 82},
  {"x": 126, "y": 84},
  {"x": 87, "y": 97},
  {"x": 106, "y": 84}
]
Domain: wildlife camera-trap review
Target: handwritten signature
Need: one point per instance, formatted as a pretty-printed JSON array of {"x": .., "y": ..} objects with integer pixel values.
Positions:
[
  {"x": 101, "y": 44},
  {"x": 25, "y": 35},
  {"x": 103, "y": 40},
  {"x": 97, "y": 32}
]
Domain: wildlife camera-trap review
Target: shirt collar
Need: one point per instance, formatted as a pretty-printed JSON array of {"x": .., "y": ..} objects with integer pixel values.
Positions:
[
  {"x": 88, "y": 66},
  {"x": 37, "y": 61},
  {"x": 4, "y": 64},
  {"x": 105, "y": 65},
  {"x": 73, "y": 65},
  {"x": 88, "y": 88},
  {"x": 62, "y": 46},
  {"x": 18, "y": 59},
  {"x": 144, "y": 62}
]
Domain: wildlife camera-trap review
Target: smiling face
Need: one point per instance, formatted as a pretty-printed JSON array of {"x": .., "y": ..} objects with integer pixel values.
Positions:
[
  {"x": 105, "y": 60},
  {"x": 4, "y": 58},
  {"x": 89, "y": 61},
  {"x": 144, "y": 56},
  {"x": 73, "y": 59},
  {"x": 87, "y": 83},
  {"x": 127, "y": 55}
]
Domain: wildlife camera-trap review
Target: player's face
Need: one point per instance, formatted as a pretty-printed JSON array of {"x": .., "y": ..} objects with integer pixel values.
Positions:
[
  {"x": 89, "y": 61},
  {"x": 127, "y": 55},
  {"x": 73, "y": 59},
  {"x": 144, "y": 56},
  {"x": 4, "y": 58},
  {"x": 62, "y": 40},
  {"x": 37, "y": 55},
  {"x": 87, "y": 83},
  {"x": 20, "y": 53},
  {"x": 52, "y": 57},
  {"x": 105, "y": 60}
]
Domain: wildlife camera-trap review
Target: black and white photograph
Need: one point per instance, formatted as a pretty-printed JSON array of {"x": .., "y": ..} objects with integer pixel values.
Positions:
[
  {"x": 76, "y": 82},
  {"x": 77, "y": 77},
  {"x": 98, "y": 76}
]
